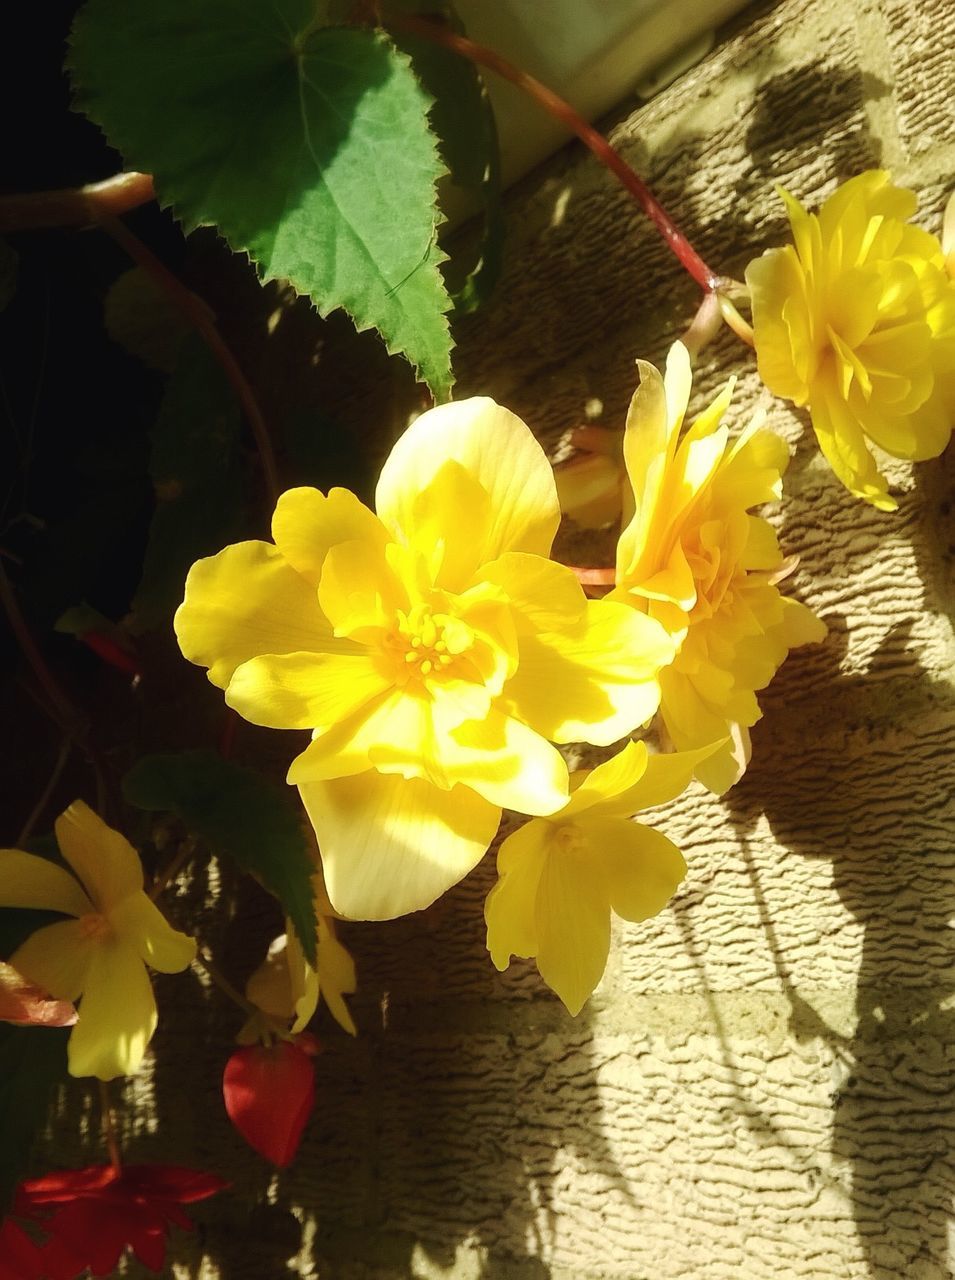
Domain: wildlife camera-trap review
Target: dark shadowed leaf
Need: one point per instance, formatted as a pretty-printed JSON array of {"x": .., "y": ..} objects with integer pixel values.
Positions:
[
  {"x": 463, "y": 119},
  {"x": 197, "y": 478},
  {"x": 240, "y": 815}
]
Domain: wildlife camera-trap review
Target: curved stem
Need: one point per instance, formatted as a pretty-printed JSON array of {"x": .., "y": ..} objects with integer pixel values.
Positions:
[
  {"x": 76, "y": 206},
  {"x": 201, "y": 318},
  {"x": 608, "y": 156},
  {"x": 204, "y": 962},
  {"x": 109, "y": 1128}
]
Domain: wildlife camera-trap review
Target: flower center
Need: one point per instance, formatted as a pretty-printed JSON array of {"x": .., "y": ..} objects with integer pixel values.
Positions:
[
  {"x": 96, "y": 927},
  {"x": 424, "y": 644},
  {"x": 569, "y": 838}
]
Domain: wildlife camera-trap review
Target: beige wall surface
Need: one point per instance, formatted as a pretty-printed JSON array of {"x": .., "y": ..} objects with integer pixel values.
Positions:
[{"x": 764, "y": 1083}]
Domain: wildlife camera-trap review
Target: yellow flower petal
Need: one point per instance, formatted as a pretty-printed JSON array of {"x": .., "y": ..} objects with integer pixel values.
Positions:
[
  {"x": 544, "y": 595},
  {"x": 305, "y": 690},
  {"x": 29, "y": 881},
  {"x": 117, "y": 1015},
  {"x": 843, "y": 442},
  {"x": 450, "y": 523},
  {"x": 391, "y": 845},
  {"x": 56, "y": 958},
  {"x": 103, "y": 859},
  {"x": 498, "y": 451},
  {"x": 336, "y": 975},
  {"x": 573, "y": 923},
  {"x": 663, "y": 777},
  {"x": 641, "y": 868},
  {"x": 511, "y": 906},
  {"x": 593, "y": 682},
  {"x": 244, "y": 602},
  {"x": 503, "y": 760},
  {"x": 139, "y": 922},
  {"x": 306, "y": 524}
]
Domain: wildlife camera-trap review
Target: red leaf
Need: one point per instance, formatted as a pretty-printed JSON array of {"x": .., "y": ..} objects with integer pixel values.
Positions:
[
  {"x": 27, "y": 1005},
  {"x": 269, "y": 1093}
]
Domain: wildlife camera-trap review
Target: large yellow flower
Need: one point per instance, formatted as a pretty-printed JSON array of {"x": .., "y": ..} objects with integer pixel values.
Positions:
[
  {"x": 432, "y": 649},
  {"x": 696, "y": 561},
  {"x": 560, "y": 877},
  {"x": 856, "y": 320},
  {"x": 102, "y": 952}
]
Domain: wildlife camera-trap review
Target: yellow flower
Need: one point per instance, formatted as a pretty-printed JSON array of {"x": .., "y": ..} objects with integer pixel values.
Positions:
[
  {"x": 102, "y": 952},
  {"x": 285, "y": 986},
  {"x": 694, "y": 559},
  {"x": 857, "y": 321},
  {"x": 432, "y": 649},
  {"x": 560, "y": 877}
]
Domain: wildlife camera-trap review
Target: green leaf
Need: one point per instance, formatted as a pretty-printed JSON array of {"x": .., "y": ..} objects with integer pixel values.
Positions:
[
  {"x": 463, "y": 119},
  {"x": 308, "y": 148},
  {"x": 140, "y": 317},
  {"x": 32, "y": 1063},
  {"x": 197, "y": 478},
  {"x": 241, "y": 815}
]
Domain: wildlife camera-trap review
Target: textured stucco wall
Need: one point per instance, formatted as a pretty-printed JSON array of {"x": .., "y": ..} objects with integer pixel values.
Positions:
[{"x": 764, "y": 1085}]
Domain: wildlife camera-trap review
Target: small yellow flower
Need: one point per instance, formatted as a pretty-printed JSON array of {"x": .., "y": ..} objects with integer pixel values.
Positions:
[
  {"x": 696, "y": 561},
  {"x": 560, "y": 877},
  {"x": 286, "y": 987},
  {"x": 433, "y": 650},
  {"x": 856, "y": 319},
  {"x": 102, "y": 952}
]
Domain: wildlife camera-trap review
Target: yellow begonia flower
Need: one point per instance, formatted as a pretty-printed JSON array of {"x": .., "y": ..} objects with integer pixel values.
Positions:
[
  {"x": 560, "y": 877},
  {"x": 697, "y": 562},
  {"x": 102, "y": 952},
  {"x": 432, "y": 649},
  {"x": 286, "y": 987},
  {"x": 856, "y": 320}
]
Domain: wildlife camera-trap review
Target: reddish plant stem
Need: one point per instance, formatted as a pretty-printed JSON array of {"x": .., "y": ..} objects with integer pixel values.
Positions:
[
  {"x": 201, "y": 318},
  {"x": 76, "y": 206},
  {"x": 109, "y": 1128},
  {"x": 608, "y": 156},
  {"x": 63, "y": 711}
]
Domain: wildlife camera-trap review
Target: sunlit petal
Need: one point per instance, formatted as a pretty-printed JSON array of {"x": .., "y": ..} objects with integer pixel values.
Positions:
[
  {"x": 498, "y": 451},
  {"x": 392, "y": 845},
  {"x": 56, "y": 958},
  {"x": 243, "y": 602}
]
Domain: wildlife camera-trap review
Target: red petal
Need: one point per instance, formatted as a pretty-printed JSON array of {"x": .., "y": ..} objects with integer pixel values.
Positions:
[
  {"x": 20, "y": 1259},
  {"x": 171, "y": 1182},
  {"x": 269, "y": 1094}
]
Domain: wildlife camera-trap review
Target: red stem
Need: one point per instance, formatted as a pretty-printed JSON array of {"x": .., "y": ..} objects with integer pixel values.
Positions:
[
  {"x": 200, "y": 317},
  {"x": 677, "y": 242},
  {"x": 76, "y": 206}
]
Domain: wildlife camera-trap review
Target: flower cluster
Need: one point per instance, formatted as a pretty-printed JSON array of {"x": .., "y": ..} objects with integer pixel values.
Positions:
[
  {"x": 856, "y": 320},
  {"x": 695, "y": 559},
  {"x": 433, "y": 650}
]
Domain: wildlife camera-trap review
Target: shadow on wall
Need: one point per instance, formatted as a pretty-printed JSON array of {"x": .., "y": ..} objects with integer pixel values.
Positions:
[
  {"x": 877, "y": 800},
  {"x": 438, "y": 1133}
]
